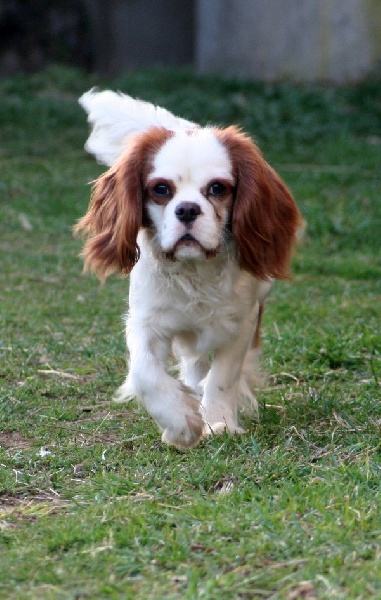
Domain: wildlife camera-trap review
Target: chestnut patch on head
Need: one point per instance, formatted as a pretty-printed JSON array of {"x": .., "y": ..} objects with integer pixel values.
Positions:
[
  {"x": 219, "y": 192},
  {"x": 160, "y": 191},
  {"x": 218, "y": 189}
]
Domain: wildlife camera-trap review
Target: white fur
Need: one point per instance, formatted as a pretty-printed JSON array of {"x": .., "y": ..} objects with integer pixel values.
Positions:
[
  {"x": 204, "y": 310},
  {"x": 196, "y": 309},
  {"x": 191, "y": 162},
  {"x": 116, "y": 118}
]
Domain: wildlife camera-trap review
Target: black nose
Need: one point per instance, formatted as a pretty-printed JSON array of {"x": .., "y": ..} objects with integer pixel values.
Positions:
[{"x": 187, "y": 212}]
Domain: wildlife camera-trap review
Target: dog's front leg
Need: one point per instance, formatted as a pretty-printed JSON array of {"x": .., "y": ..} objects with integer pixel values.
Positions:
[
  {"x": 169, "y": 402},
  {"x": 221, "y": 386}
]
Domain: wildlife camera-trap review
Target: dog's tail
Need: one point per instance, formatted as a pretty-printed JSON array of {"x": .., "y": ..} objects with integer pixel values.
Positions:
[{"x": 115, "y": 119}]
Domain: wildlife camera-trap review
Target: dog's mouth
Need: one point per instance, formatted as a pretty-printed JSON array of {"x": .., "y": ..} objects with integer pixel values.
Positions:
[
  {"x": 187, "y": 240},
  {"x": 189, "y": 247}
]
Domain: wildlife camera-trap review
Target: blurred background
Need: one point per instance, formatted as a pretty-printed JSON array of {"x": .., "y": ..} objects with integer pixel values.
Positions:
[{"x": 299, "y": 40}]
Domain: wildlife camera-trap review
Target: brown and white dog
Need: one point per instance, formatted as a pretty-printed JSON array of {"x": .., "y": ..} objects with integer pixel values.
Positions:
[{"x": 204, "y": 225}]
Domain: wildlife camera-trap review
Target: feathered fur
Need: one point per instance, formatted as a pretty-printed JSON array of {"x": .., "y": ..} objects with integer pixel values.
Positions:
[
  {"x": 205, "y": 225},
  {"x": 116, "y": 118}
]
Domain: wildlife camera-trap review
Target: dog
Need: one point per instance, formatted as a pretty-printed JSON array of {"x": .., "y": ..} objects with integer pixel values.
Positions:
[{"x": 204, "y": 225}]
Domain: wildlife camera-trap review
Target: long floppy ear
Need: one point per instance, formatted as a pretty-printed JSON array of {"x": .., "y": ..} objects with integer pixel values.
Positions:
[
  {"x": 265, "y": 217},
  {"x": 115, "y": 212}
]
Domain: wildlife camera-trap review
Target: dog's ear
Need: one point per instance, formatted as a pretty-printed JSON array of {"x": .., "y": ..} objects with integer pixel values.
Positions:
[
  {"x": 112, "y": 221},
  {"x": 115, "y": 212},
  {"x": 265, "y": 217}
]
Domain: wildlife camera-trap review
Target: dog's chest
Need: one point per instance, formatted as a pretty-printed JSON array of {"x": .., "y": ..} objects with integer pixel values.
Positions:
[
  {"x": 209, "y": 303},
  {"x": 211, "y": 310}
]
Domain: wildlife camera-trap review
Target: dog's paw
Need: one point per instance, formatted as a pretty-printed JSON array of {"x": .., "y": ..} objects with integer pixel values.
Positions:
[
  {"x": 221, "y": 427},
  {"x": 186, "y": 430},
  {"x": 186, "y": 436}
]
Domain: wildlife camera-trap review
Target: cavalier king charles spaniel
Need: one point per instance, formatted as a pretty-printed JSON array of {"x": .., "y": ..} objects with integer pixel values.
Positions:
[{"x": 204, "y": 225}]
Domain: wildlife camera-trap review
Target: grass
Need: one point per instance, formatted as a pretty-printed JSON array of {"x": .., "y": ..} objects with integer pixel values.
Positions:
[{"x": 92, "y": 505}]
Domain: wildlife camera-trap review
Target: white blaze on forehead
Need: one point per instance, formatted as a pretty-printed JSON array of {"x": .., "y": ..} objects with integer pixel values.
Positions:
[{"x": 196, "y": 157}]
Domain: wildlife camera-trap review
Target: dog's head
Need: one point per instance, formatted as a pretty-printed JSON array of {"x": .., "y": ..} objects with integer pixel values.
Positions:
[{"x": 191, "y": 189}]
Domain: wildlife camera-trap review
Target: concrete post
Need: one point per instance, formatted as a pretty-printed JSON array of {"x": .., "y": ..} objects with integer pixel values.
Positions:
[{"x": 300, "y": 40}]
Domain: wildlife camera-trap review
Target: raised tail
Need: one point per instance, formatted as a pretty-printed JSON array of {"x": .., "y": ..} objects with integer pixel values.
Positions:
[{"x": 115, "y": 118}]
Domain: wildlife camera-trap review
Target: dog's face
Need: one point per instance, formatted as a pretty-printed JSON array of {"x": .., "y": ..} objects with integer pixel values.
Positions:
[
  {"x": 188, "y": 188},
  {"x": 188, "y": 195}
]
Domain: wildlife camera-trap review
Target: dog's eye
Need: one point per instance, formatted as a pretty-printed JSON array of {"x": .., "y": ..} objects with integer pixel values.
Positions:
[
  {"x": 162, "y": 189},
  {"x": 217, "y": 188}
]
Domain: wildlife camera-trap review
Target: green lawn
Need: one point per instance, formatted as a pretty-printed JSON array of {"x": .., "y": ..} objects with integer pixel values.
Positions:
[{"x": 92, "y": 505}]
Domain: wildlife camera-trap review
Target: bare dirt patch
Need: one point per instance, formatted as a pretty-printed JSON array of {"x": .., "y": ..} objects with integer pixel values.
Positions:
[
  {"x": 13, "y": 440},
  {"x": 14, "y": 508}
]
